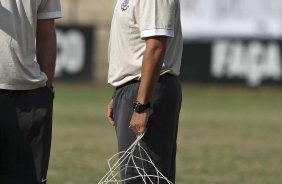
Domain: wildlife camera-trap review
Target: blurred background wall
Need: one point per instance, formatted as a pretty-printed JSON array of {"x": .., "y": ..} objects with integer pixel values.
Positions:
[
  {"x": 225, "y": 41},
  {"x": 96, "y": 16}
]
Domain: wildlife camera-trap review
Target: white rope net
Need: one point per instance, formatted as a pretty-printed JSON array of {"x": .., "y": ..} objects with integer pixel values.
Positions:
[{"x": 122, "y": 165}]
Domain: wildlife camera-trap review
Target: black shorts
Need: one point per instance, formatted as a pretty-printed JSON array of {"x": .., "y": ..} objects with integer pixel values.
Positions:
[
  {"x": 25, "y": 135},
  {"x": 161, "y": 136}
]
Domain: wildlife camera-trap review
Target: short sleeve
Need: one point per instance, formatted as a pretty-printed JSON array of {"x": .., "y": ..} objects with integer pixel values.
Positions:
[
  {"x": 156, "y": 18},
  {"x": 49, "y": 9}
]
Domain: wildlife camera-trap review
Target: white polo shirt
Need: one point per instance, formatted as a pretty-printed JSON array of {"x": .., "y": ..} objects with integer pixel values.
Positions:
[
  {"x": 134, "y": 20},
  {"x": 18, "y": 20}
]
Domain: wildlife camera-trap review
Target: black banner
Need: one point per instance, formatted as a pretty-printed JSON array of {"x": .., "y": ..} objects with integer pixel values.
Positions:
[
  {"x": 74, "y": 55},
  {"x": 253, "y": 62}
]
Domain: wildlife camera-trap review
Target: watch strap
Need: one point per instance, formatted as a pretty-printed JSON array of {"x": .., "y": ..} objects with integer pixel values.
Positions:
[{"x": 139, "y": 107}]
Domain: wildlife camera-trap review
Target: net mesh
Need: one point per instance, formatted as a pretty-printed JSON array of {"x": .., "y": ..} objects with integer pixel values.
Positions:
[{"x": 134, "y": 158}]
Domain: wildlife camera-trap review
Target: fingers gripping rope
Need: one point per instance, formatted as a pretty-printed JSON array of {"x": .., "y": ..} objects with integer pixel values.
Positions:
[{"x": 126, "y": 157}]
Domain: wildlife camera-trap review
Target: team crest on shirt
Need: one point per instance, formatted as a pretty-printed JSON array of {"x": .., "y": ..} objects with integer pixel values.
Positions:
[{"x": 125, "y": 5}]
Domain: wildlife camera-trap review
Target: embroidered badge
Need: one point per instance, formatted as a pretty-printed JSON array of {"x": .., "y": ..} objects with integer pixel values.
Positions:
[{"x": 125, "y": 5}]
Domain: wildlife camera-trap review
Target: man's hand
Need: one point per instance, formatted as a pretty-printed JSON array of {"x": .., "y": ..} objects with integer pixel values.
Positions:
[
  {"x": 139, "y": 121},
  {"x": 110, "y": 115}
]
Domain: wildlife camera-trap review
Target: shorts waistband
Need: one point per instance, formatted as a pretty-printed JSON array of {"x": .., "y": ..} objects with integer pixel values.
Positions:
[
  {"x": 128, "y": 83},
  {"x": 136, "y": 81},
  {"x": 18, "y": 91}
]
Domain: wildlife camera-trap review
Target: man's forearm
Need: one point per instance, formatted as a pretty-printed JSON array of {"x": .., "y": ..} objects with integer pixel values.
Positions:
[
  {"x": 151, "y": 67},
  {"x": 46, "y": 48}
]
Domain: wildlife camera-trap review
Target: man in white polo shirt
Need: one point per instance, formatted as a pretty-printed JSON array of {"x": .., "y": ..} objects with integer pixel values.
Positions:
[
  {"x": 145, "y": 54},
  {"x": 27, "y": 62}
]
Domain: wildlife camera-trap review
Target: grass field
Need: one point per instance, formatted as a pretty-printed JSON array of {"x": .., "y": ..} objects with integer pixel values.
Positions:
[{"x": 228, "y": 135}]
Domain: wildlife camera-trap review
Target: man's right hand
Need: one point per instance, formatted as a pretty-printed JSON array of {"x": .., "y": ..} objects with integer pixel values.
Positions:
[{"x": 110, "y": 114}]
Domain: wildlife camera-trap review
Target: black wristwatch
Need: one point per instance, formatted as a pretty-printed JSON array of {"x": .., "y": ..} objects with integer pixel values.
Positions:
[{"x": 139, "y": 107}]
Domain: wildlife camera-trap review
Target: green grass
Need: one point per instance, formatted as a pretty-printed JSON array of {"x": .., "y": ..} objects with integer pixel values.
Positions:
[{"x": 227, "y": 135}]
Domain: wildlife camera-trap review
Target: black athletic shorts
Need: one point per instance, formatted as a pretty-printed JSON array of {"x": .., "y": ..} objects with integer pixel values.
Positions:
[
  {"x": 160, "y": 140},
  {"x": 25, "y": 135}
]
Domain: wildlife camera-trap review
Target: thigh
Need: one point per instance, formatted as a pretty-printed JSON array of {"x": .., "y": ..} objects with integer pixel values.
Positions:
[
  {"x": 162, "y": 126},
  {"x": 36, "y": 124},
  {"x": 16, "y": 159},
  {"x": 123, "y": 99}
]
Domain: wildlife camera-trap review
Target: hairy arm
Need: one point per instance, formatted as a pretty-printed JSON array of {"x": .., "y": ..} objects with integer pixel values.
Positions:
[
  {"x": 46, "y": 48},
  {"x": 151, "y": 68}
]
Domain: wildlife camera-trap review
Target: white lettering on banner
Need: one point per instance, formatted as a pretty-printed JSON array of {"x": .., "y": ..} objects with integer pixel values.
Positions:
[
  {"x": 71, "y": 57},
  {"x": 253, "y": 62}
]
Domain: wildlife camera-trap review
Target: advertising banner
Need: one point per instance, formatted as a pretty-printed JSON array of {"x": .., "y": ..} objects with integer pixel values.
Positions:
[
  {"x": 253, "y": 62},
  {"x": 74, "y": 54}
]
